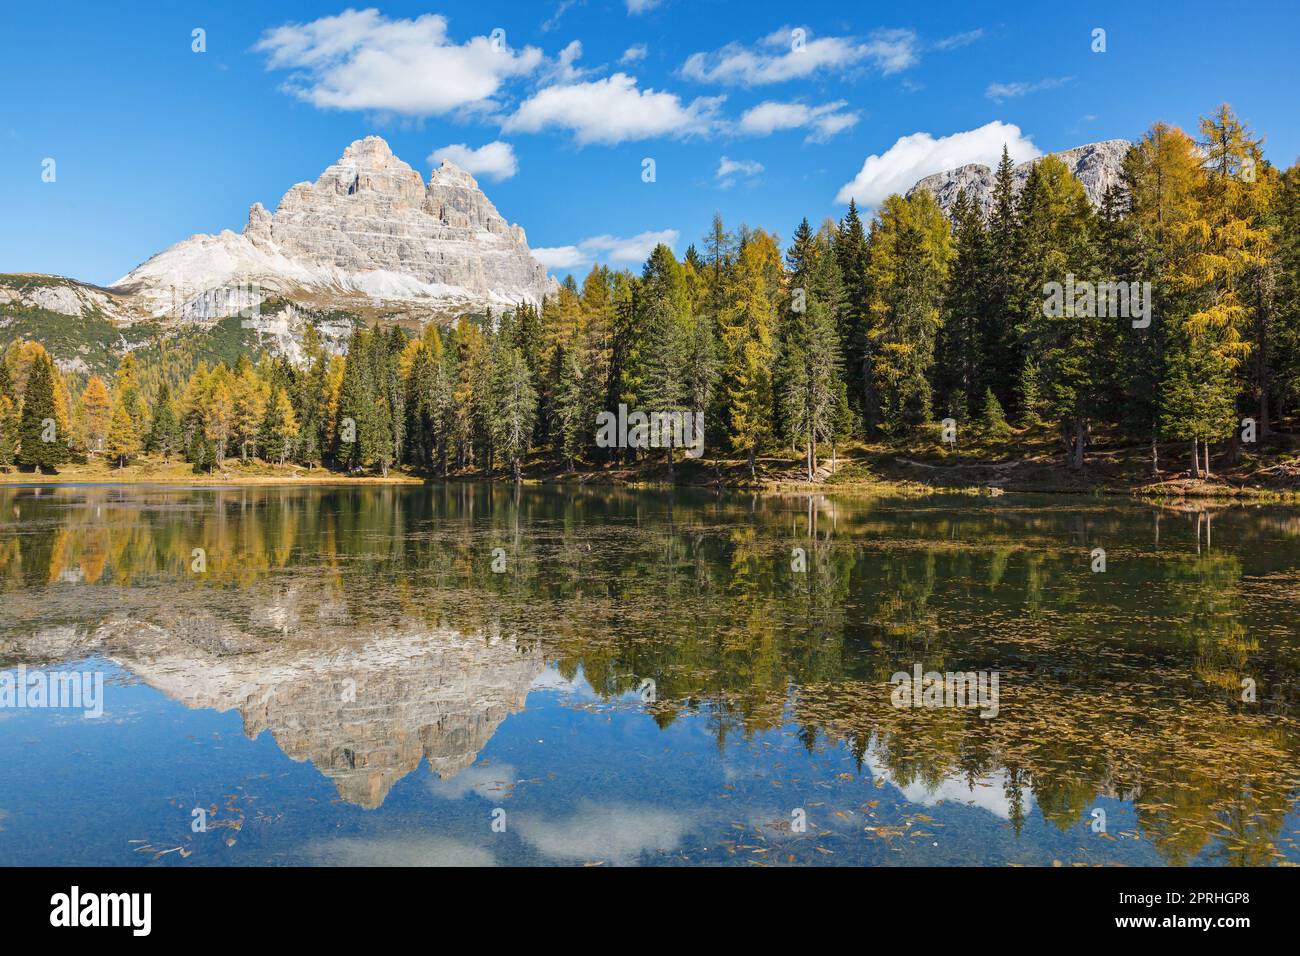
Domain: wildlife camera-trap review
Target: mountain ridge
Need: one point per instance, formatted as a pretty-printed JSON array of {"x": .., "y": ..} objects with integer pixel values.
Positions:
[
  {"x": 368, "y": 230},
  {"x": 1097, "y": 165}
]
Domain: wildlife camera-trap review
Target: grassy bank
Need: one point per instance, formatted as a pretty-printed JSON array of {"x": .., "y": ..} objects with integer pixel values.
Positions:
[{"x": 1028, "y": 460}]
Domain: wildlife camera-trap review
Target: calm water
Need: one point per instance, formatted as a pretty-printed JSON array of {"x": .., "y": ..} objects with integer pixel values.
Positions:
[{"x": 340, "y": 676}]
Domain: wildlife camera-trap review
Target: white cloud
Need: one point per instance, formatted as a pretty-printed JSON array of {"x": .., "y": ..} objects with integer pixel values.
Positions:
[
  {"x": 729, "y": 169},
  {"x": 634, "y": 54},
  {"x": 616, "y": 833},
  {"x": 793, "y": 53},
  {"x": 1008, "y": 91},
  {"x": 613, "y": 249},
  {"x": 637, "y": 7},
  {"x": 488, "y": 782},
  {"x": 959, "y": 40},
  {"x": 495, "y": 160},
  {"x": 361, "y": 60},
  {"x": 613, "y": 110},
  {"x": 825, "y": 120},
  {"x": 562, "y": 69},
  {"x": 560, "y": 10},
  {"x": 919, "y": 155},
  {"x": 560, "y": 257}
]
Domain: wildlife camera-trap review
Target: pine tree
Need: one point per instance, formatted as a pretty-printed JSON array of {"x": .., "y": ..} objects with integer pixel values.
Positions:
[
  {"x": 961, "y": 379},
  {"x": 666, "y": 349},
  {"x": 1005, "y": 302},
  {"x": 570, "y": 408},
  {"x": 1061, "y": 338},
  {"x": 514, "y": 411},
  {"x": 994, "y": 419},
  {"x": 8, "y": 431},
  {"x": 165, "y": 436},
  {"x": 279, "y": 428},
  {"x": 811, "y": 399},
  {"x": 1286, "y": 244},
  {"x": 40, "y": 445},
  {"x": 852, "y": 255},
  {"x": 355, "y": 428}
]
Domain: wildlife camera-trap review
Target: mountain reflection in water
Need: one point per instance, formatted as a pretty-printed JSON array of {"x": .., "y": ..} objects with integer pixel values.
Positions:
[{"x": 366, "y": 630}]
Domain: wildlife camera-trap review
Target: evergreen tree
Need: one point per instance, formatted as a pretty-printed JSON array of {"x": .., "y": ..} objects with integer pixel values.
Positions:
[
  {"x": 960, "y": 376},
  {"x": 279, "y": 429},
  {"x": 811, "y": 399},
  {"x": 165, "y": 436},
  {"x": 570, "y": 408},
  {"x": 8, "y": 431},
  {"x": 1061, "y": 337},
  {"x": 515, "y": 408},
  {"x": 1005, "y": 302},
  {"x": 39, "y": 443}
]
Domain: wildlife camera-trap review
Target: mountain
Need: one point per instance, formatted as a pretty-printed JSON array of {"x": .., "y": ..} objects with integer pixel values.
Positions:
[
  {"x": 368, "y": 240},
  {"x": 369, "y": 232},
  {"x": 1097, "y": 165}
]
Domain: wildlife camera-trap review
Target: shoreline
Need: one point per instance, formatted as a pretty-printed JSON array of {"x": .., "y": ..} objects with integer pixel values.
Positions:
[{"x": 944, "y": 481}]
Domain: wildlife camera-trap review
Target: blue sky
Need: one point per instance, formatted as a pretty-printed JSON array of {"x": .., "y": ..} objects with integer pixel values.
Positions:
[{"x": 154, "y": 142}]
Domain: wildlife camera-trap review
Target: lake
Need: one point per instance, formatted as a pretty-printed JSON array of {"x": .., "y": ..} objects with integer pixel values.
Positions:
[{"x": 483, "y": 674}]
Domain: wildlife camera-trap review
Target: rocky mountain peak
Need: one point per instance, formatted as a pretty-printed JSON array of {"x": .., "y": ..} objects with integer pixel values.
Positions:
[
  {"x": 369, "y": 228},
  {"x": 1098, "y": 166}
]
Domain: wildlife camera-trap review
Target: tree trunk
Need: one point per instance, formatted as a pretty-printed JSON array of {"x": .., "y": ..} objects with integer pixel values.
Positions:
[
  {"x": 1196, "y": 459},
  {"x": 812, "y": 460},
  {"x": 1207, "y": 460},
  {"x": 1155, "y": 457},
  {"x": 1077, "y": 446},
  {"x": 752, "y": 472}
]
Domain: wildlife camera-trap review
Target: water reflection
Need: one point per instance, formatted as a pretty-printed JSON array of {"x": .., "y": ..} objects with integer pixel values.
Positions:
[{"x": 368, "y": 631}]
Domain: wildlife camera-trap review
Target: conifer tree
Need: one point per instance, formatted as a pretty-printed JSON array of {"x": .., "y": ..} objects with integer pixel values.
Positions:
[
  {"x": 747, "y": 333},
  {"x": 279, "y": 428},
  {"x": 1061, "y": 337},
  {"x": 96, "y": 412},
  {"x": 165, "y": 436},
  {"x": 8, "y": 431},
  {"x": 961, "y": 379},
  {"x": 515, "y": 408},
  {"x": 123, "y": 442},
  {"x": 39, "y": 443},
  {"x": 811, "y": 399},
  {"x": 908, "y": 261}
]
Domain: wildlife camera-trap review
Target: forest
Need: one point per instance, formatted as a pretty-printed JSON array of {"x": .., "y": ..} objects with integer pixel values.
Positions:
[{"x": 858, "y": 330}]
